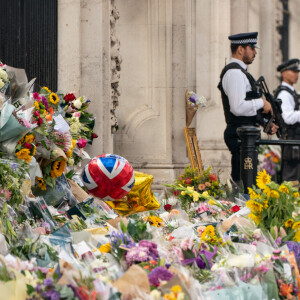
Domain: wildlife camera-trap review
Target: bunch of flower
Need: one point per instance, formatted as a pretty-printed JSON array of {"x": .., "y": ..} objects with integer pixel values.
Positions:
[
  {"x": 205, "y": 184},
  {"x": 195, "y": 101},
  {"x": 154, "y": 220},
  {"x": 272, "y": 204},
  {"x": 210, "y": 237},
  {"x": 158, "y": 275},
  {"x": 271, "y": 161},
  {"x": 119, "y": 240},
  {"x": 26, "y": 148},
  {"x": 81, "y": 122}
]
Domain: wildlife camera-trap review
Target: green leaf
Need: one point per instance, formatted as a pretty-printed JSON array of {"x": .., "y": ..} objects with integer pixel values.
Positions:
[
  {"x": 30, "y": 289},
  {"x": 123, "y": 227}
]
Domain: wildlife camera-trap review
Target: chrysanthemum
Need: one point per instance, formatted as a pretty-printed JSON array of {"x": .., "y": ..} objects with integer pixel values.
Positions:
[
  {"x": 262, "y": 179},
  {"x": 54, "y": 99},
  {"x": 29, "y": 138}
]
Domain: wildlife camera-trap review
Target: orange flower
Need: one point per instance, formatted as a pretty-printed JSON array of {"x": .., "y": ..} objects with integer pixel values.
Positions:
[
  {"x": 286, "y": 290},
  {"x": 51, "y": 110},
  {"x": 48, "y": 116}
]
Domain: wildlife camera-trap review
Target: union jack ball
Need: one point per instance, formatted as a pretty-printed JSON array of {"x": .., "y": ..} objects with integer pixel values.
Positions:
[{"x": 108, "y": 176}]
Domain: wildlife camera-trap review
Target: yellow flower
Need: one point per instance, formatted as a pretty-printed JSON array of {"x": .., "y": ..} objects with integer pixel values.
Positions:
[
  {"x": 212, "y": 202},
  {"x": 53, "y": 98},
  {"x": 274, "y": 194},
  {"x": 190, "y": 188},
  {"x": 105, "y": 248},
  {"x": 205, "y": 194},
  {"x": 58, "y": 168},
  {"x": 195, "y": 196},
  {"x": 47, "y": 89},
  {"x": 24, "y": 154},
  {"x": 37, "y": 105},
  {"x": 284, "y": 189},
  {"x": 296, "y": 225},
  {"x": 288, "y": 223},
  {"x": 176, "y": 289},
  {"x": 265, "y": 202},
  {"x": 262, "y": 179},
  {"x": 69, "y": 153},
  {"x": 267, "y": 191},
  {"x": 41, "y": 183},
  {"x": 33, "y": 150},
  {"x": 255, "y": 218},
  {"x": 29, "y": 138},
  {"x": 254, "y": 206},
  {"x": 296, "y": 195},
  {"x": 182, "y": 193},
  {"x": 297, "y": 236},
  {"x": 253, "y": 195},
  {"x": 155, "y": 221}
]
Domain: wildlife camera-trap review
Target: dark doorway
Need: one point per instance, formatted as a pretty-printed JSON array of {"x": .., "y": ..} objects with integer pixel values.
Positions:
[{"x": 28, "y": 38}]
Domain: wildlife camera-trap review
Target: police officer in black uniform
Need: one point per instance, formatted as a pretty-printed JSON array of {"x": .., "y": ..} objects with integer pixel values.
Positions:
[
  {"x": 291, "y": 116},
  {"x": 240, "y": 97}
]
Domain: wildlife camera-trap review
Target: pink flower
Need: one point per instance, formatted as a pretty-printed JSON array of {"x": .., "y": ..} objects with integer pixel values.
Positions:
[
  {"x": 77, "y": 114},
  {"x": 36, "y": 96},
  {"x": 187, "y": 244},
  {"x": 178, "y": 253},
  {"x": 81, "y": 143}
]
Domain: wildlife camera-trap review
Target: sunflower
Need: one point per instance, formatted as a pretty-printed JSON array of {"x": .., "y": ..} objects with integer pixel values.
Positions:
[
  {"x": 296, "y": 225},
  {"x": 255, "y": 218},
  {"x": 254, "y": 206},
  {"x": 297, "y": 236},
  {"x": 262, "y": 179},
  {"x": 47, "y": 89},
  {"x": 296, "y": 195},
  {"x": 58, "y": 168},
  {"x": 54, "y": 99},
  {"x": 105, "y": 248},
  {"x": 288, "y": 223},
  {"x": 253, "y": 195},
  {"x": 284, "y": 189},
  {"x": 41, "y": 183},
  {"x": 24, "y": 154},
  {"x": 155, "y": 221},
  {"x": 274, "y": 194}
]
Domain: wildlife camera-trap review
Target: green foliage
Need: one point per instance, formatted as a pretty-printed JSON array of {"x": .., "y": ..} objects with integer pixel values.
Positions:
[{"x": 138, "y": 230}]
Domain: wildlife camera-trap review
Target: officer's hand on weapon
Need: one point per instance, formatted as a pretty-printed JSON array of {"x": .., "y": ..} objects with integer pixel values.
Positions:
[
  {"x": 274, "y": 128},
  {"x": 267, "y": 107}
]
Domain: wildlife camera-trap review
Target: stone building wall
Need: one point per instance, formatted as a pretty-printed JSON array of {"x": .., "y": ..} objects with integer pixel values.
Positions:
[{"x": 165, "y": 47}]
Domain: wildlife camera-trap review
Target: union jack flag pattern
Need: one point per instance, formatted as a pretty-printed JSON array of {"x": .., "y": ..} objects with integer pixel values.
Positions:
[{"x": 108, "y": 176}]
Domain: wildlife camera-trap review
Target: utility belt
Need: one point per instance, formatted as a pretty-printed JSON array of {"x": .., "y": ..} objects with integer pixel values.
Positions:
[{"x": 292, "y": 153}]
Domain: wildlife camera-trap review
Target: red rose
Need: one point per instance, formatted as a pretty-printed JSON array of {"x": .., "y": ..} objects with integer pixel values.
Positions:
[
  {"x": 213, "y": 177},
  {"x": 40, "y": 121},
  {"x": 69, "y": 97},
  {"x": 168, "y": 207},
  {"x": 176, "y": 193},
  {"x": 94, "y": 135},
  {"x": 188, "y": 180},
  {"x": 27, "y": 146},
  {"x": 235, "y": 208}
]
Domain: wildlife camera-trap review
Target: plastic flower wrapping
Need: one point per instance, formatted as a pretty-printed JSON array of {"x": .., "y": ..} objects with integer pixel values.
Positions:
[{"x": 194, "y": 240}]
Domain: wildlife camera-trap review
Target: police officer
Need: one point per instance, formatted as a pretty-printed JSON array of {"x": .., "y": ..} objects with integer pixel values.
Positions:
[
  {"x": 291, "y": 116},
  {"x": 239, "y": 95}
]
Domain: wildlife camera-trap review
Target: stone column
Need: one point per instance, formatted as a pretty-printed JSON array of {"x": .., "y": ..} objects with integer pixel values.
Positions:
[{"x": 239, "y": 16}]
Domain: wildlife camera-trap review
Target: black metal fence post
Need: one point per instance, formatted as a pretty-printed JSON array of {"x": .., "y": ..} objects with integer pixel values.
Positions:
[{"x": 249, "y": 154}]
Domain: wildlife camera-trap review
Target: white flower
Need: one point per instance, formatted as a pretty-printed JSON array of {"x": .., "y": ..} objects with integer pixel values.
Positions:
[
  {"x": 172, "y": 200},
  {"x": 71, "y": 161},
  {"x": 241, "y": 261},
  {"x": 77, "y": 103},
  {"x": 75, "y": 128},
  {"x": 155, "y": 295},
  {"x": 3, "y": 75}
]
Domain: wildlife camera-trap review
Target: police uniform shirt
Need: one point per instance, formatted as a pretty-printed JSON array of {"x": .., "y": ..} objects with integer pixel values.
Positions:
[
  {"x": 236, "y": 85},
  {"x": 289, "y": 114}
]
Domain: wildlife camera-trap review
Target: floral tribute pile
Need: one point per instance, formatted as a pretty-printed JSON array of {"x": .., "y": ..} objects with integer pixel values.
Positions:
[{"x": 203, "y": 242}]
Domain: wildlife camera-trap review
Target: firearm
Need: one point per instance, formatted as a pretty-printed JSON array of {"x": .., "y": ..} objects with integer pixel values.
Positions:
[{"x": 266, "y": 120}]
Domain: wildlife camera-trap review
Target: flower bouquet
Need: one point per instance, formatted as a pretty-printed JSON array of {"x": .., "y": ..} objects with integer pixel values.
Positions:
[{"x": 192, "y": 104}]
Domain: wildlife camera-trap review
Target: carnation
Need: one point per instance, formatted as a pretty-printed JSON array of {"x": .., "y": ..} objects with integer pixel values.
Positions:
[{"x": 77, "y": 103}]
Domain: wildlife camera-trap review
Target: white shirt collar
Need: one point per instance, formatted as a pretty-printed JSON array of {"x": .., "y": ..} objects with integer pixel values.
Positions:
[
  {"x": 241, "y": 63},
  {"x": 288, "y": 85}
]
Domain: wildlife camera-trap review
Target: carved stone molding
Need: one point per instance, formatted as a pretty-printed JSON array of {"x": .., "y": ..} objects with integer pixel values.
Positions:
[{"x": 116, "y": 61}]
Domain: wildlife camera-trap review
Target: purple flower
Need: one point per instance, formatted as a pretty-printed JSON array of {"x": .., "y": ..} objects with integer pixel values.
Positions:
[
  {"x": 137, "y": 254},
  {"x": 45, "y": 102},
  {"x": 159, "y": 274},
  {"x": 203, "y": 258},
  {"x": 38, "y": 288},
  {"x": 48, "y": 282},
  {"x": 295, "y": 247},
  {"x": 193, "y": 98},
  {"x": 152, "y": 248}
]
